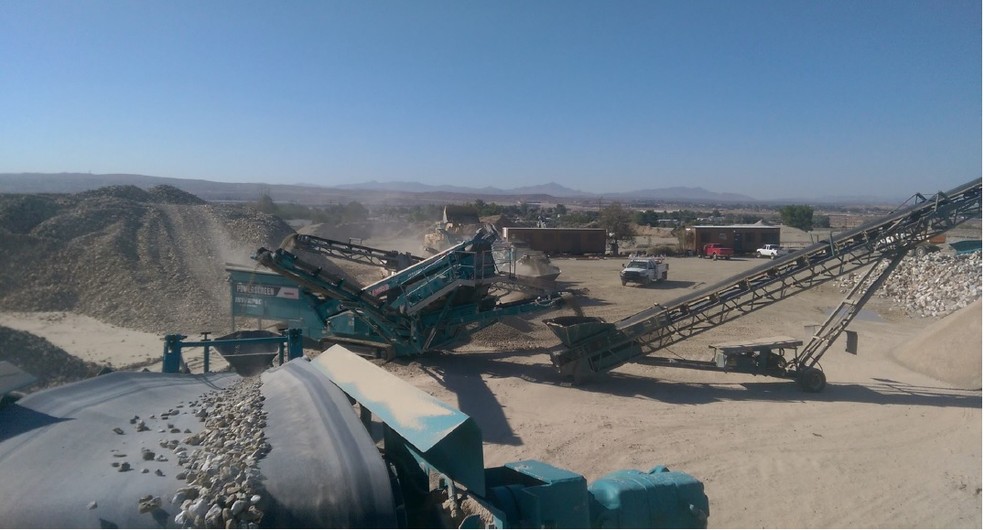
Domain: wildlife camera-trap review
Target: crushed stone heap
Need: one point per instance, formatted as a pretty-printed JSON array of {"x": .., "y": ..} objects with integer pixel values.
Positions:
[
  {"x": 933, "y": 285},
  {"x": 52, "y": 365},
  {"x": 152, "y": 260},
  {"x": 224, "y": 488}
]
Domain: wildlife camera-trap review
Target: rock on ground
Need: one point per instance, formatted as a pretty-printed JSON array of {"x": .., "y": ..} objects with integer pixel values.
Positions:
[{"x": 933, "y": 285}]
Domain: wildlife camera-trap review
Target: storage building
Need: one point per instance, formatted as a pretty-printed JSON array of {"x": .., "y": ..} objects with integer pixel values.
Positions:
[
  {"x": 559, "y": 240},
  {"x": 745, "y": 239}
]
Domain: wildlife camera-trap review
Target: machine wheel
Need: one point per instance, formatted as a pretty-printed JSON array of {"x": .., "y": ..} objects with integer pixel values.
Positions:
[
  {"x": 715, "y": 257},
  {"x": 623, "y": 283},
  {"x": 812, "y": 380}
]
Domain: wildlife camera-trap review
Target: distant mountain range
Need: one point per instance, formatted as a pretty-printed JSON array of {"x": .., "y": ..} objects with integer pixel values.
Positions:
[
  {"x": 552, "y": 189},
  {"x": 379, "y": 192},
  {"x": 679, "y": 193}
]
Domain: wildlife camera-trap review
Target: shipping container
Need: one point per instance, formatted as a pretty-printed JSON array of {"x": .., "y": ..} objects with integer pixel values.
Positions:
[
  {"x": 559, "y": 240},
  {"x": 744, "y": 239}
]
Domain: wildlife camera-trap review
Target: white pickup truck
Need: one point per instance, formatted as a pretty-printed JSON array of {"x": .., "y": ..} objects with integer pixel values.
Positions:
[
  {"x": 771, "y": 251},
  {"x": 644, "y": 271}
]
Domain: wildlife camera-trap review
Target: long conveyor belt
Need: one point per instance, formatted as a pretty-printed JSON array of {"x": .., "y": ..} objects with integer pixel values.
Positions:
[
  {"x": 62, "y": 451},
  {"x": 594, "y": 346},
  {"x": 391, "y": 260}
]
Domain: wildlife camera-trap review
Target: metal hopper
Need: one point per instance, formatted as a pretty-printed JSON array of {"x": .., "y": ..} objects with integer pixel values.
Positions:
[{"x": 248, "y": 358}]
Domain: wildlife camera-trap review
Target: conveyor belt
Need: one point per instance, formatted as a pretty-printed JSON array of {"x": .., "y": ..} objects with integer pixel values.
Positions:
[
  {"x": 57, "y": 448},
  {"x": 389, "y": 259},
  {"x": 324, "y": 470},
  {"x": 594, "y": 346}
]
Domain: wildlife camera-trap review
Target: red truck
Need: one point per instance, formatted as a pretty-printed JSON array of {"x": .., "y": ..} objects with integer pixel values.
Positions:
[{"x": 715, "y": 251}]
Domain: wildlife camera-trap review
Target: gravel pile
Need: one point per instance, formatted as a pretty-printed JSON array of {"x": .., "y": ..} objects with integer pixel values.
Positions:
[
  {"x": 502, "y": 337},
  {"x": 150, "y": 260},
  {"x": 933, "y": 285},
  {"x": 52, "y": 365},
  {"x": 224, "y": 487}
]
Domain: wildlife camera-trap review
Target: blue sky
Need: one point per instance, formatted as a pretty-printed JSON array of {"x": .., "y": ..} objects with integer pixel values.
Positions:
[{"x": 769, "y": 99}]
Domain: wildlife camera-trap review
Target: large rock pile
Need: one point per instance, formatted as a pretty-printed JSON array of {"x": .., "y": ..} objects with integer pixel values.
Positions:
[
  {"x": 51, "y": 365},
  {"x": 933, "y": 285},
  {"x": 151, "y": 260}
]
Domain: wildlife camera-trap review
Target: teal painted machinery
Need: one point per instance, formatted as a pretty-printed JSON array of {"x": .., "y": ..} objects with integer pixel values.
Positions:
[
  {"x": 269, "y": 296},
  {"x": 432, "y": 304},
  {"x": 345, "y": 445},
  {"x": 247, "y": 352},
  {"x": 434, "y": 447}
]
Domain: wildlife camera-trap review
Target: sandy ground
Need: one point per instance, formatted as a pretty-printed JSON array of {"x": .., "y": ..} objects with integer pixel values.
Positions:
[
  {"x": 102, "y": 343},
  {"x": 883, "y": 446}
]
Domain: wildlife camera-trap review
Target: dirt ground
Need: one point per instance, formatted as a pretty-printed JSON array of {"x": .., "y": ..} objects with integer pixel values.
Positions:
[
  {"x": 882, "y": 446},
  {"x": 94, "y": 341}
]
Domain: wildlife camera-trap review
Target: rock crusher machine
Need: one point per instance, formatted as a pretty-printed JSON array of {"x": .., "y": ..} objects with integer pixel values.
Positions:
[
  {"x": 592, "y": 346},
  {"x": 434, "y": 303}
]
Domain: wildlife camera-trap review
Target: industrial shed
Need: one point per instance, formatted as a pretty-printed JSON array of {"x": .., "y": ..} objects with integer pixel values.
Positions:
[
  {"x": 745, "y": 239},
  {"x": 559, "y": 240}
]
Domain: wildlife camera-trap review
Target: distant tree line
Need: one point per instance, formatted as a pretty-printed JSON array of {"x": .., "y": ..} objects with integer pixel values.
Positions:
[
  {"x": 686, "y": 217},
  {"x": 614, "y": 218},
  {"x": 801, "y": 216}
]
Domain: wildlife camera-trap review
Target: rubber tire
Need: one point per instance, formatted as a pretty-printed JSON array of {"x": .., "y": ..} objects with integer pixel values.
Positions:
[
  {"x": 715, "y": 257},
  {"x": 812, "y": 380}
]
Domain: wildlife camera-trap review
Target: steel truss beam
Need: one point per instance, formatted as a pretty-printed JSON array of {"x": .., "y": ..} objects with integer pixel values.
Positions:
[{"x": 660, "y": 326}]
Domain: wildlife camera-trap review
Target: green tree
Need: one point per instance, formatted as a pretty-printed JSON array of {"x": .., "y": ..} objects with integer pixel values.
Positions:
[
  {"x": 577, "y": 218},
  {"x": 616, "y": 221},
  {"x": 265, "y": 204},
  {"x": 486, "y": 208},
  {"x": 648, "y": 217},
  {"x": 797, "y": 216},
  {"x": 355, "y": 212}
]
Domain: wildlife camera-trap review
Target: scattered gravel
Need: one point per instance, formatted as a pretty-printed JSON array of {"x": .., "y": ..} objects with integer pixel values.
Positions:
[{"x": 933, "y": 285}]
